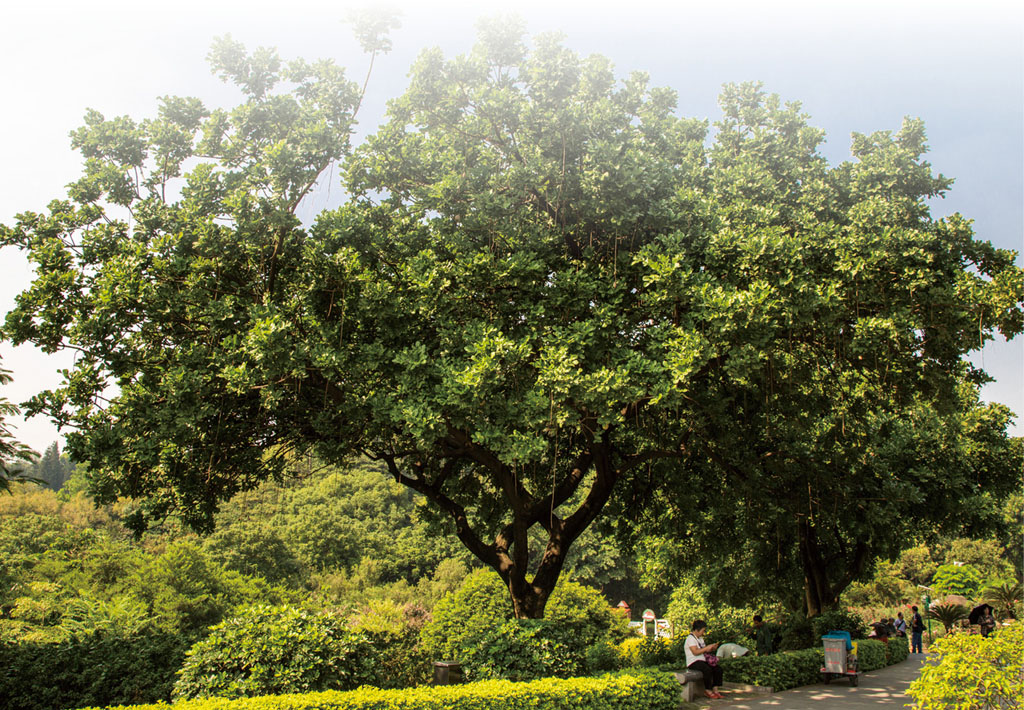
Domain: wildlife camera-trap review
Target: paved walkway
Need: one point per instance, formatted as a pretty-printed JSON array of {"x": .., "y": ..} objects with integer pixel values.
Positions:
[{"x": 885, "y": 687}]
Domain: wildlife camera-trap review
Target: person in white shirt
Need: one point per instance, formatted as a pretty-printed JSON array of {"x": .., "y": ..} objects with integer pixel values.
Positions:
[
  {"x": 695, "y": 650},
  {"x": 901, "y": 625}
]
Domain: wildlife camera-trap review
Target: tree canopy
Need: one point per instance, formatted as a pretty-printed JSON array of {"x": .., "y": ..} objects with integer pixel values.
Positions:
[{"x": 546, "y": 293}]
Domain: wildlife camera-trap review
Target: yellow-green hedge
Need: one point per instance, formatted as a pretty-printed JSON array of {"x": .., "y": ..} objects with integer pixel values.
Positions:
[{"x": 627, "y": 690}]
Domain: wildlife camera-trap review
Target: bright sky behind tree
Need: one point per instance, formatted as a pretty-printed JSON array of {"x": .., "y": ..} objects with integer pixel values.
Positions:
[{"x": 855, "y": 66}]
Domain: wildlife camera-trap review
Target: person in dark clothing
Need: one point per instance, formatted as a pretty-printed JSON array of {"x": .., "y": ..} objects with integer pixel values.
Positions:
[
  {"x": 695, "y": 650},
  {"x": 762, "y": 637},
  {"x": 987, "y": 621},
  {"x": 916, "y": 629}
]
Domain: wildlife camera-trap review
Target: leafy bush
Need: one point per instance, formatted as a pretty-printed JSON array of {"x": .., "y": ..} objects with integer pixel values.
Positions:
[
  {"x": 897, "y": 650},
  {"x": 957, "y": 579},
  {"x": 603, "y": 657},
  {"x": 968, "y": 670},
  {"x": 394, "y": 632},
  {"x": 587, "y": 611},
  {"x": 778, "y": 671},
  {"x": 94, "y": 670},
  {"x": 616, "y": 691},
  {"x": 460, "y": 618},
  {"x": 271, "y": 650},
  {"x": 474, "y": 627},
  {"x": 838, "y": 620},
  {"x": 524, "y": 649},
  {"x": 190, "y": 592},
  {"x": 643, "y": 651},
  {"x": 725, "y": 624},
  {"x": 870, "y": 655},
  {"x": 791, "y": 669},
  {"x": 797, "y": 634}
]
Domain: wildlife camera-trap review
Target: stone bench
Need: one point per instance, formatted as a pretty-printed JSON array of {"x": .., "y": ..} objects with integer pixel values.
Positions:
[{"x": 693, "y": 684}]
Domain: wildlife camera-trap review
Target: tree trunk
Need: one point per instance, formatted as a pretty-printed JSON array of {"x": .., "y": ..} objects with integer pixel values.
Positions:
[
  {"x": 819, "y": 595},
  {"x": 508, "y": 555},
  {"x": 528, "y": 600}
]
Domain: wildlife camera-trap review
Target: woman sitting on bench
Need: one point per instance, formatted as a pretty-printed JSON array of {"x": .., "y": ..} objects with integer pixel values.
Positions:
[{"x": 695, "y": 650}]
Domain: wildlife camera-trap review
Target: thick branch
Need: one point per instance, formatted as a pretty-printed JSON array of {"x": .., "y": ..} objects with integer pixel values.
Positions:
[{"x": 485, "y": 553}]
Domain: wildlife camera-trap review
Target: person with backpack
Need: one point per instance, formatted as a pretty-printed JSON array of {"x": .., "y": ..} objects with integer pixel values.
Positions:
[{"x": 916, "y": 629}]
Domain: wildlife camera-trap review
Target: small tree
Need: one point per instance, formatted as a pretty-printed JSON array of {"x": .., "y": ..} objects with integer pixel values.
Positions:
[
  {"x": 1004, "y": 598},
  {"x": 957, "y": 579},
  {"x": 948, "y": 614},
  {"x": 15, "y": 457}
]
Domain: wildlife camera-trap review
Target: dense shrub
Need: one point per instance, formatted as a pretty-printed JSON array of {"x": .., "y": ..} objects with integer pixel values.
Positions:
[
  {"x": 795, "y": 668},
  {"x": 479, "y": 604},
  {"x": 603, "y": 657},
  {"x": 798, "y": 633},
  {"x": 897, "y": 650},
  {"x": 968, "y": 670},
  {"x": 185, "y": 588},
  {"x": 474, "y": 626},
  {"x": 778, "y": 671},
  {"x": 643, "y": 651},
  {"x": 270, "y": 650},
  {"x": 95, "y": 670},
  {"x": 393, "y": 631},
  {"x": 957, "y": 579},
  {"x": 587, "y": 611},
  {"x": 524, "y": 649},
  {"x": 725, "y": 624},
  {"x": 838, "y": 620},
  {"x": 616, "y": 691},
  {"x": 870, "y": 655}
]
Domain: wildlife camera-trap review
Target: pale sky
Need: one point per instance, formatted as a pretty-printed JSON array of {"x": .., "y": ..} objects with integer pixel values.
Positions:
[{"x": 855, "y": 66}]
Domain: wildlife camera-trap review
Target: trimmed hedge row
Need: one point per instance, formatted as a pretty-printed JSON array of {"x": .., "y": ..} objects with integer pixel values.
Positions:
[
  {"x": 94, "y": 670},
  {"x": 870, "y": 655},
  {"x": 779, "y": 671},
  {"x": 615, "y": 691},
  {"x": 792, "y": 669},
  {"x": 897, "y": 650}
]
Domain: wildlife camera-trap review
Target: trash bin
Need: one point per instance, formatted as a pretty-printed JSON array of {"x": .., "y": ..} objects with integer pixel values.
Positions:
[{"x": 447, "y": 672}]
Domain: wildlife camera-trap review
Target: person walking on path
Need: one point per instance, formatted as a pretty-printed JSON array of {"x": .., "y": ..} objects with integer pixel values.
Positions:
[{"x": 916, "y": 629}]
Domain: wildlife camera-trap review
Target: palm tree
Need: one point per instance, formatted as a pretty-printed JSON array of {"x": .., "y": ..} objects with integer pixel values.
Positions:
[
  {"x": 14, "y": 456},
  {"x": 948, "y": 614},
  {"x": 1004, "y": 597}
]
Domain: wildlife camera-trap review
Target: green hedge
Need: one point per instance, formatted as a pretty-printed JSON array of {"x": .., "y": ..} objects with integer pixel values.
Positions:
[
  {"x": 272, "y": 650},
  {"x": 870, "y": 655},
  {"x": 897, "y": 650},
  {"x": 616, "y": 691},
  {"x": 791, "y": 669},
  {"x": 778, "y": 671},
  {"x": 95, "y": 670}
]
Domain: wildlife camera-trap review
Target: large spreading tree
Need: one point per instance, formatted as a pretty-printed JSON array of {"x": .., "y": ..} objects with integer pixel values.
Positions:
[
  {"x": 856, "y": 428},
  {"x": 547, "y": 292}
]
